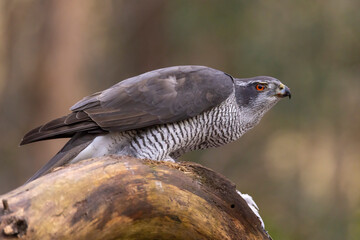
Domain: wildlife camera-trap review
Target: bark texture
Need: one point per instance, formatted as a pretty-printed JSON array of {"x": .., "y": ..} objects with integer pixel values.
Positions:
[{"x": 127, "y": 198}]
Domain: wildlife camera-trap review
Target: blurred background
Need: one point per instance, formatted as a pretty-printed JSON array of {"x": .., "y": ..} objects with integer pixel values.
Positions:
[{"x": 301, "y": 164}]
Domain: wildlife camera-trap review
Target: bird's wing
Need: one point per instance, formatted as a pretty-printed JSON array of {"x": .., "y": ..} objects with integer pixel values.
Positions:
[{"x": 157, "y": 97}]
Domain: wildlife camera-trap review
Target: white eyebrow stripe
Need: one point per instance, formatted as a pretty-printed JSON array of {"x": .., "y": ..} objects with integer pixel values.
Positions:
[
  {"x": 240, "y": 83},
  {"x": 245, "y": 83}
]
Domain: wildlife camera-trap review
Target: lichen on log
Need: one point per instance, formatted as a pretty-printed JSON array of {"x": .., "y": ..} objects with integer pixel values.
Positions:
[{"x": 127, "y": 198}]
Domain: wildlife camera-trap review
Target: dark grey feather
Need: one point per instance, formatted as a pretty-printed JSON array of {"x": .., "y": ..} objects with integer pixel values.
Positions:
[
  {"x": 162, "y": 96},
  {"x": 71, "y": 149},
  {"x": 58, "y": 128}
]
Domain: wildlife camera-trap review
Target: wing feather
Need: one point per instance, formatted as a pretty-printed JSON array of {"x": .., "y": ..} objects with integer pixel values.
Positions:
[{"x": 157, "y": 97}]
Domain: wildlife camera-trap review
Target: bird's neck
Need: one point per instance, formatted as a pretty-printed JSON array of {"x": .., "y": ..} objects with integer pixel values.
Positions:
[{"x": 250, "y": 118}]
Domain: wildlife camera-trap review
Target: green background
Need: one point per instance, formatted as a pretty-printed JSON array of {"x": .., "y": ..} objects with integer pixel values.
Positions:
[{"x": 301, "y": 164}]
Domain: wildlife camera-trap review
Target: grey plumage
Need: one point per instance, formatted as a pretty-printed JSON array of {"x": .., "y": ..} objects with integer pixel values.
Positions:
[{"x": 161, "y": 115}]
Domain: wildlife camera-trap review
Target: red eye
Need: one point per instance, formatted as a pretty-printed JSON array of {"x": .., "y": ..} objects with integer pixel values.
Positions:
[{"x": 260, "y": 87}]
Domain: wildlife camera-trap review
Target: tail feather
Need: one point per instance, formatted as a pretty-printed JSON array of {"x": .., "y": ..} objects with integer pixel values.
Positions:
[
  {"x": 71, "y": 149},
  {"x": 66, "y": 126}
]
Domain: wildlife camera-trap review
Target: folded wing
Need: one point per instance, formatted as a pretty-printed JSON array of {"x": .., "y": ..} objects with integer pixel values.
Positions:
[{"x": 157, "y": 97}]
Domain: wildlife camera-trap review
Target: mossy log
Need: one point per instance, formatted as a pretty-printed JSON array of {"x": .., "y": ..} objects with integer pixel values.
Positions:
[{"x": 127, "y": 198}]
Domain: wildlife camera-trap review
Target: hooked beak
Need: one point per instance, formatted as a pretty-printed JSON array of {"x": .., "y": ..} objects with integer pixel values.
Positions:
[{"x": 283, "y": 91}]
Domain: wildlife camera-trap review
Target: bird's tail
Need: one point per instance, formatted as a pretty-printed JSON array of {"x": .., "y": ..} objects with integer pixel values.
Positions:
[{"x": 71, "y": 149}]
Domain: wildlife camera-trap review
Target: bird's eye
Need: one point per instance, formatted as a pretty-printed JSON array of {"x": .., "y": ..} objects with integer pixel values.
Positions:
[{"x": 260, "y": 87}]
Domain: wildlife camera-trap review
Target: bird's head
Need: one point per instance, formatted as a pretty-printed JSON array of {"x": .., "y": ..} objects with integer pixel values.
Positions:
[{"x": 255, "y": 96}]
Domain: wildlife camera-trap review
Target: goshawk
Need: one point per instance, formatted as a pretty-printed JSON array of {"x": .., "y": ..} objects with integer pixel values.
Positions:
[{"x": 161, "y": 115}]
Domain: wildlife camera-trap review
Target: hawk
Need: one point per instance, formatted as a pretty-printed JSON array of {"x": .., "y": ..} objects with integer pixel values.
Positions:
[{"x": 161, "y": 115}]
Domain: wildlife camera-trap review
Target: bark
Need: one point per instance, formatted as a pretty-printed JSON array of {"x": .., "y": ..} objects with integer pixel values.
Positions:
[{"x": 127, "y": 198}]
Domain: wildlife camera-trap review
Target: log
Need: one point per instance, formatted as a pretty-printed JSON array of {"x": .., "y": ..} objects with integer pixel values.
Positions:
[{"x": 127, "y": 198}]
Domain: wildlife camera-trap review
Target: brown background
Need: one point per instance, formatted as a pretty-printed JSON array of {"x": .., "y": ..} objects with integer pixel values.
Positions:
[{"x": 301, "y": 164}]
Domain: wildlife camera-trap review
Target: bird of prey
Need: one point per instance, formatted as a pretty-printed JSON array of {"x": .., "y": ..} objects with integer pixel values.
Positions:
[{"x": 161, "y": 115}]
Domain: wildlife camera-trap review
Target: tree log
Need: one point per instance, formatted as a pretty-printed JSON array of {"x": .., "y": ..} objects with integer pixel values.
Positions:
[{"x": 126, "y": 198}]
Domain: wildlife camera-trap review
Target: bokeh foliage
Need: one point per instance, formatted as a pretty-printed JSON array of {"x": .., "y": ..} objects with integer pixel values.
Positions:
[{"x": 301, "y": 164}]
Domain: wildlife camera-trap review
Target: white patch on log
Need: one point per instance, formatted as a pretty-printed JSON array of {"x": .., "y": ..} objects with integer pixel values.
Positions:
[{"x": 251, "y": 203}]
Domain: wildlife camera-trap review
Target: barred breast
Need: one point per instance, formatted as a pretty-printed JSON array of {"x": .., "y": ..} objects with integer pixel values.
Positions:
[
  {"x": 216, "y": 127},
  {"x": 213, "y": 128}
]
